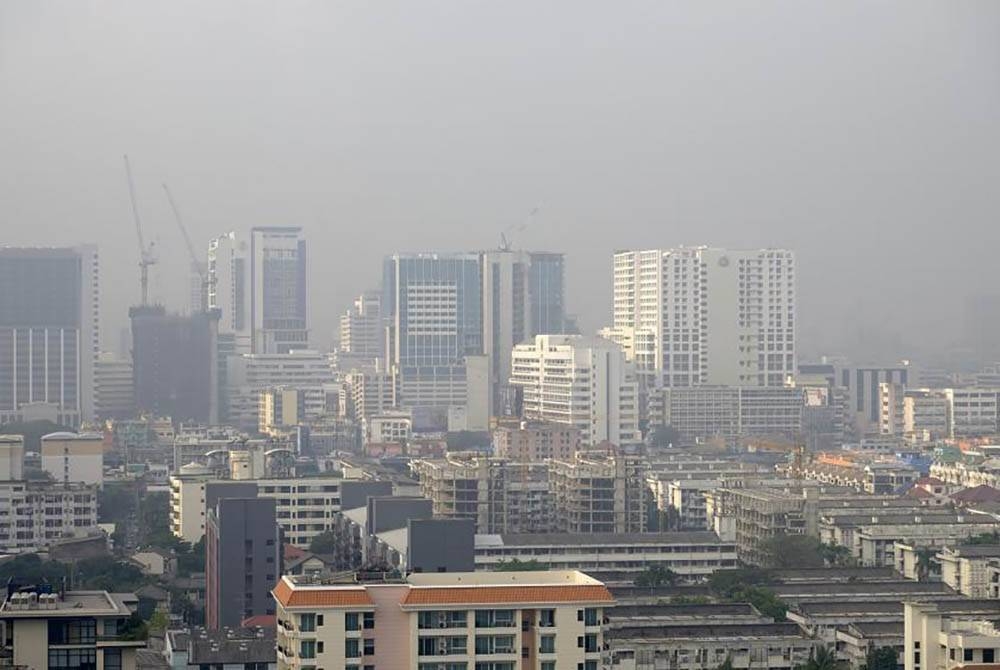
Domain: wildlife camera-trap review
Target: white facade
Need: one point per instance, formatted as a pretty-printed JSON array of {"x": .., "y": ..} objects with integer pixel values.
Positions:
[
  {"x": 229, "y": 288},
  {"x": 581, "y": 381},
  {"x": 361, "y": 327},
  {"x": 250, "y": 374},
  {"x": 389, "y": 427},
  {"x": 708, "y": 315},
  {"x": 33, "y": 516},
  {"x": 114, "y": 392},
  {"x": 974, "y": 411},
  {"x": 11, "y": 458}
]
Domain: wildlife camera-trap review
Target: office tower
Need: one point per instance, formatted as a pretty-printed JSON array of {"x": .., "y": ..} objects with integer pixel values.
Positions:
[
  {"x": 242, "y": 560},
  {"x": 523, "y": 296},
  {"x": 862, "y": 384},
  {"x": 581, "y": 381},
  {"x": 49, "y": 333},
  {"x": 361, "y": 332},
  {"x": 704, "y": 315},
  {"x": 433, "y": 303},
  {"x": 174, "y": 363},
  {"x": 485, "y": 620},
  {"x": 278, "y": 290},
  {"x": 114, "y": 395},
  {"x": 229, "y": 290}
]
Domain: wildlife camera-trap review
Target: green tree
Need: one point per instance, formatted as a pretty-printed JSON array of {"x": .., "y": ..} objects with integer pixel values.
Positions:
[
  {"x": 324, "y": 543},
  {"x": 926, "y": 563},
  {"x": 31, "y": 569},
  {"x": 984, "y": 538},
  {"x": 193, "y": 560},
  {"x": 821, "y": 658},
  {"x": 108, "y": 574},
  {"x": 764, "y": 599},
  {"x": 654, "y": 576},
  {"x": 793, "y": 551},
  {"x": 726, "y": 664},
  {"x": 724, "y": 583},
  {"x": 517, "y": 565},
  {"x": 836, "y": 555},
  {"x": 881, "y": 658}
]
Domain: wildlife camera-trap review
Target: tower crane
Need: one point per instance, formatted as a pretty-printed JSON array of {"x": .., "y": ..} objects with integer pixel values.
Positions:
[
  {"x": 505, "y": 241},
  {"x": 147, "y": 254},
  {"x": 197, "y": 266}
]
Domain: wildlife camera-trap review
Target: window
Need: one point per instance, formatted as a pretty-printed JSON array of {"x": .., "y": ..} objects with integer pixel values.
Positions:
[
  {"x": 494, "y": 644},
  {"x": 590, "y": 643},
  {"x": 548, "y": 665},
  {"x": 442, "y": 619},
  {"x": 72, "y": 631},
  {"x": 547, "y": 644},
  {"x": 352, "y": 649},
  {"x": 307, "y": 649},
  {"x": 77, "y": 659},
  {"x": 494, "y": 665},
  {"x": 112, "y": 659},
  {"x": 966, "y": 654},
  {"x": 494, "y": 618},
  {"x": 458, "y": 665},
  {"x": 369, "y": 646},
  {"x": 369, "y": 620},
  {"x": 989, "y": 655},
  {"x": 319, "y": 647},
  {"x": 590, "y": 617},
  {"x": 546, "y": 618},
  {"x": 307, "y": 623},
  {"x": 352, "y": 621}
]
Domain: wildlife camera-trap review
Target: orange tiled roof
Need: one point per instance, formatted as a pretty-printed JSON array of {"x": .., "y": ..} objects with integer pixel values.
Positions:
[
  {"x": 320, "y": 597},
  {"x": 486, "y": 595}
]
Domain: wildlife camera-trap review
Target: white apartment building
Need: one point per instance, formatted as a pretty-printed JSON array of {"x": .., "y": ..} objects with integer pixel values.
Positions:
[
  {"x": 305, "y": 506},
  {"x": 711, "y": 316},
  {"x": 249, "y": 374},
  {"x": 461, "y": 620},
  {"x": 581, "y": 381},
  {"x": 730, "y": 412},
  {"x": 229, "y": 289},
  {"x": 926, "y": 415},
  {"x": 974, "y": 411},
  {"x": 34, "y": 515},
  {"x": 367, "y": 392},
  {"x": 361, "y": 327},
  {"x": 936, "y": 641},
  {"x": 389, "y": 427}
]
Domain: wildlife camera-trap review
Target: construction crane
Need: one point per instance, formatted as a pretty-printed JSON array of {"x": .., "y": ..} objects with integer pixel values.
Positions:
[
  {"x": 505, "y": 240},
  {"x": 147, "y": 254},
  {"x": 196, "y": 266}
]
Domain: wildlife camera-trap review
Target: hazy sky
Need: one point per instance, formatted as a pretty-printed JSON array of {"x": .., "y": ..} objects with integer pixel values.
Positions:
[{"x": 864, "y": 135}]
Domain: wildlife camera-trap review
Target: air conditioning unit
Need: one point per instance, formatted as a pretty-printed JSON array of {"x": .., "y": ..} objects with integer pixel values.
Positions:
[{"x": 442, "y": 647}]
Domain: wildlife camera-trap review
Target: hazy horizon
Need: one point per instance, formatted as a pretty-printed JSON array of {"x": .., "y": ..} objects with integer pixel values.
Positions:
[{"x": 861, "y": 135}]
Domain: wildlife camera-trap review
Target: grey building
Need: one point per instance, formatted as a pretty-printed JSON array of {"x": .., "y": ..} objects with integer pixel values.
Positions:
[
  {"x": 440, "y": 545},
  {"x": 278, "y": 290},
  {"x": 49, "y": 333},
  {"x": 242, "y": 560},
  {"x": 174, "y": 364}
]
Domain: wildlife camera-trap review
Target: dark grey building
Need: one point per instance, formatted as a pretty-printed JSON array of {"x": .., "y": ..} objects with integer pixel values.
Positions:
[
  {"x": 441, "y": 545},
  {"x": 242, "y": 560},
  {"x": 174, "y": 364},
  {"x": 49, "y": 335}
]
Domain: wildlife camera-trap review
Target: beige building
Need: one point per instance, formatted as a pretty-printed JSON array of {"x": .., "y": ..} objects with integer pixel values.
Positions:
[
  {"x": 74, "y": 458},
  {"x": 937, "y": 641},
  {"x": 535, "y": 441},
  {"x": 78, "y": 629},
  {"x": 966, "y": 568},
  {"x": 492, "y": 620}
]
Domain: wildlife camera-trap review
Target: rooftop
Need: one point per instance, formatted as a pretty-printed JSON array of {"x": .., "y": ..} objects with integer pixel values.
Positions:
[
  {"x": 721, "y": 631},
  {"x": 237, "y": 646},
  {"x": 73, "y": 603},
  {"x": 560, "y": 539}
]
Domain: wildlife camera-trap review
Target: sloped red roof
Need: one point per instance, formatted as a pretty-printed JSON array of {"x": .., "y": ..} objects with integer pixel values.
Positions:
[
  {"x": 333, "y": 596},
  {"x": 292, "y": 552},
  {"x": 928, "y": 481},
  {"x": 917, "y": 492},
  {"x": 977, "y": 494},
  {"x": 259, "y": 621}
]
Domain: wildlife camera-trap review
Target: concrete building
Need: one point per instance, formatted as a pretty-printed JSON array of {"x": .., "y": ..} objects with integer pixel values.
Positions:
[
  {"x": 581, "y": 381},
  {"x": 242, "y": 560},
  {"x": 74, "y": 629},
  {"x": 228, "y": 649},
  {"x": 937, "y": 641},
  {"x": 486, "y": 620},
  {"x": 34, "y": 515},
  {"x": 523, "y": 296},
  {"x": 11, "y": 458},
  {"x": 536, "y": 441},
  {"x": 690, "y": 554},
  {"x": 49, "y": 333},
  {"x": 729, "y": 412},
  {"x": 500, "y": 496},
  {"x": 362, "y": 332},
  {"x": 862, "y": 384},
  {"x": 926, "y": 415},
  {"x": 369, "y": 391},
  {"x": 114, "y": 393},
  {"x": 229, "y": 289},
  {"x": 306, "y": 506},
  {"x": 599, "y": 492},
  {"x": 965, "y": 568},
  {"x": 713, "y": 316},
  {"x": 250, "y": 374},
  {"x": 278, "y": 296},
  {"x": 74, "y": 458},
  {"x": 974, "y": 411},
  {"x": 390, "y": 426},
  {"x": 175, "y": 364}
]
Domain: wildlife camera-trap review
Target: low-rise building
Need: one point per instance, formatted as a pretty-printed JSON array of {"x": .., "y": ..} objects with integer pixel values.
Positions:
[
  {"x": 934, "y": 640},
  {"x": 965, "y": 568},
  {"x": 599, "y": 492},
  {"x": 689, "y": 554},
  {"x": 74, "y": 629},
  {"x": 458, "y": 620},
  {"x": 536, "y": 441}
]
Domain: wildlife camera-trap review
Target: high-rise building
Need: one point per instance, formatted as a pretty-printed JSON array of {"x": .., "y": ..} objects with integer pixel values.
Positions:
[
  {"x": 278, "y": 290},
  {"x": 242, "y": 560},
  {"x": 229, "y": 290},
  {"x": 49, "y": 333},
  {"x": 581, "y": 381},
  {"x": 114, "y": 394},
  {"x": 433, "y": 303},
  {"x": 361, "y": 328},
  {"x": 708, "y": 315},
  {"x": 523, "y": 296},
  {"x": 174, "y": 364}
]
